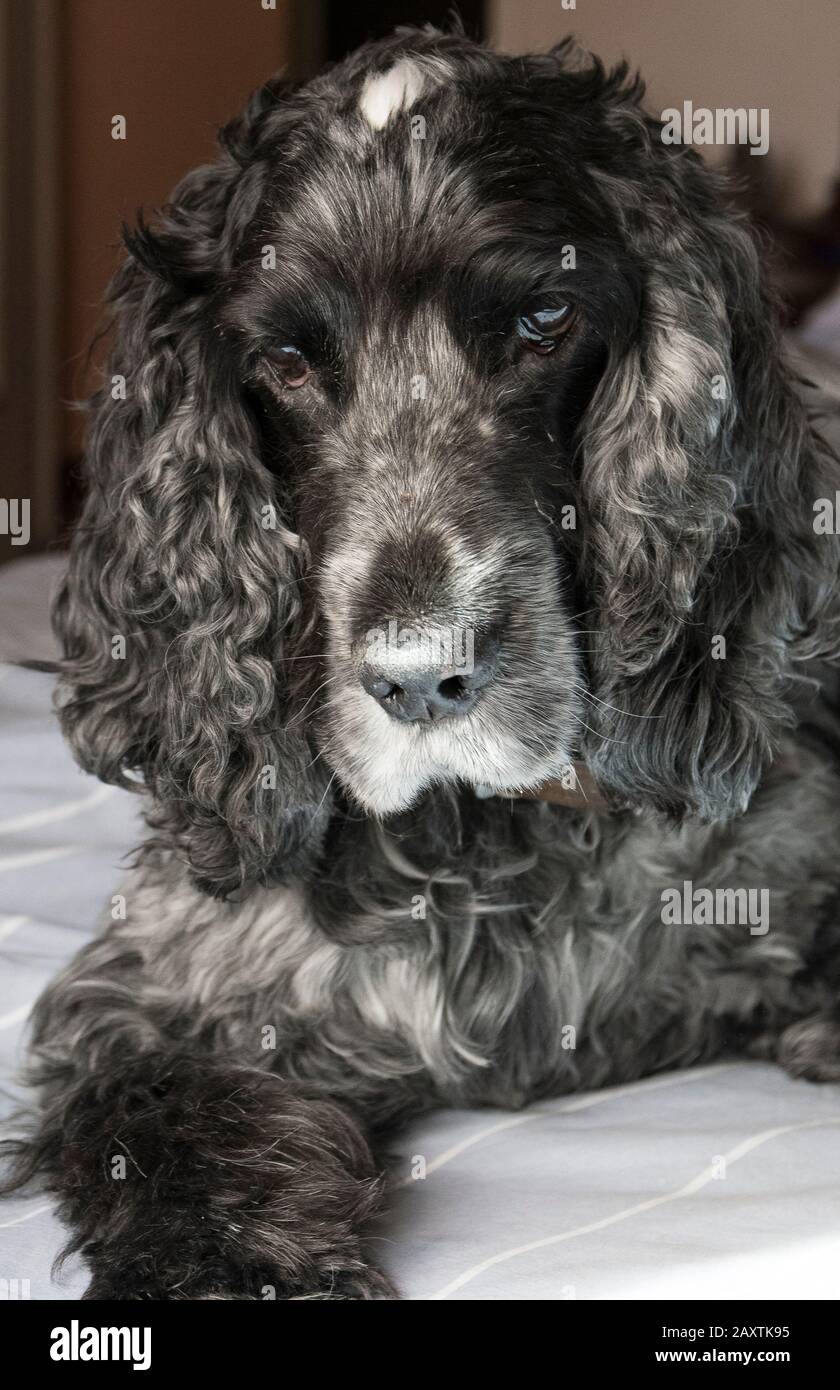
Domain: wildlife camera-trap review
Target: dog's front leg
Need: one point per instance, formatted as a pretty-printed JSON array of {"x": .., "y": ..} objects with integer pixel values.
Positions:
[
  {"x": 184, "y": 1160},
  {"x": 183, "y": 1177}
]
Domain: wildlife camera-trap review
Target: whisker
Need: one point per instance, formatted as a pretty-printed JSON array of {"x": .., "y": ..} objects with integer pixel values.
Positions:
[
  {"x": 587, "y": 695},
  {"x": 317, "y": 656},
  {"x": 330, "y": 680},
  {"x": 596, "y": 732},
  {"x": 326, "y": 792}
]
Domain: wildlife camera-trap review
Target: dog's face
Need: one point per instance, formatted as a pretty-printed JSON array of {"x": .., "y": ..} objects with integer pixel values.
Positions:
[
  {"x": 455, "y": 444},
  {"x": 434, "y": 319}
]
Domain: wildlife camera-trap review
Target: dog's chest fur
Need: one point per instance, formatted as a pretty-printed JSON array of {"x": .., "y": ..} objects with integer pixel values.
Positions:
[{"x": 550, "y": 969}]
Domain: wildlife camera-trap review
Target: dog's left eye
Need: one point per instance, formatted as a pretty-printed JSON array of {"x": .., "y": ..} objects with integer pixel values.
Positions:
[
  {"x": 541, "y": 330},
  {"x": 289, "y": 366}
]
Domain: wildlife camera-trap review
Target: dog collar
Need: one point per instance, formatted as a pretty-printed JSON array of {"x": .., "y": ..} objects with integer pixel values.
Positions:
[
  {"x": 579, "y": 790},
  {"x": 576, "y": 788}
]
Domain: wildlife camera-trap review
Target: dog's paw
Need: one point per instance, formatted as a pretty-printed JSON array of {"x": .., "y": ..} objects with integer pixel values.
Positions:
[
  {"x": 254, "y": 1286},
  {"x": 810, "y": 1049},
  {"x": 119, "y": 1288},
  {"x": 359, "y": 1286}
]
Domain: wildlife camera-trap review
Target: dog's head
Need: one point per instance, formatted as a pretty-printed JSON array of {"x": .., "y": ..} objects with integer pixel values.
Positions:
[{"x": 445, "y": 439}]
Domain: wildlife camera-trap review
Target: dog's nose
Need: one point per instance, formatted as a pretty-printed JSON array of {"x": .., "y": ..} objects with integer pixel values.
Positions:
[{"x": 416, "y": 693}]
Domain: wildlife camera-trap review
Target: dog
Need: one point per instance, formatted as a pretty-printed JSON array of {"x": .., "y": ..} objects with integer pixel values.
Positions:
[{"x": 448, "y": 584}]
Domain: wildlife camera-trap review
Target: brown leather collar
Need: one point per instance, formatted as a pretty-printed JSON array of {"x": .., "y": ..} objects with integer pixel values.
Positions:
[{"x": 576, "y": 789}]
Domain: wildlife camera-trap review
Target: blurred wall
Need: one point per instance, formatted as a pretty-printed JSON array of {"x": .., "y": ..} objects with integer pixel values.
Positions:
[
  {"x": 779, "y": 54},
  {"x": 30, "y": 288},
  {"x": 176, "y": 69}
]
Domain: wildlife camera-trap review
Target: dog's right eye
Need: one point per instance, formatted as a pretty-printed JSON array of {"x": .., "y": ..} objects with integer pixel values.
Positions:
[
  {"x": 288, "y": 366},
  {"x": 541, "y": 330}
]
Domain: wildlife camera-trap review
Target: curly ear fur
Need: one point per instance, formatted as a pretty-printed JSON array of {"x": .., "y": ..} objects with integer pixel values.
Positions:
[
  {"x": 699, "y": 474},
  {"x": 172, "y": 556}
]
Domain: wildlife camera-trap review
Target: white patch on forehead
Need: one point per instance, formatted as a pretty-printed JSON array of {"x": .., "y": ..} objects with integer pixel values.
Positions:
[{"x": 386, "y": 93}]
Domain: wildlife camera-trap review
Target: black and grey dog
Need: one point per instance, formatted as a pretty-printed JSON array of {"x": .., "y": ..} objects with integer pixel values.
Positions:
[{"x": 452, "y": 345}]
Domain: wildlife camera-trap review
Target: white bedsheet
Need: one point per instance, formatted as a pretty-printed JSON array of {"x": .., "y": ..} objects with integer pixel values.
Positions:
[{"x": 723, "y": 1182}]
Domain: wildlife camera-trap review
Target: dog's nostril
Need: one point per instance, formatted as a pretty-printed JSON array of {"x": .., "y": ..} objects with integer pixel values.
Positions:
[
  {"x": 453, "y": 688},
  {"x": 384, "y": 689}
]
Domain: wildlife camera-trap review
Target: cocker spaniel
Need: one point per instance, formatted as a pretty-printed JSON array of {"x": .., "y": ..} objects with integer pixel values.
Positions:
[{"x": 451, "y": 585}]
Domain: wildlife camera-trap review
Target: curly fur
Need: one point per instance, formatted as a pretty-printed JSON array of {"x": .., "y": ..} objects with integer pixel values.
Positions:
[{"x": 293, "y": 907}]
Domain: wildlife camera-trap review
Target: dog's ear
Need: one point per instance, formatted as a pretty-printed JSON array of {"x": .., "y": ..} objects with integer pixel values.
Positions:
[
  {"x": 182, "y": 585},
  {"x": 699, "y": 476}
]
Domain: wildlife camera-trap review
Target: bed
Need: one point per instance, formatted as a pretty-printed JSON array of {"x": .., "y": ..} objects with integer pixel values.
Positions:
[{"x": 722, "y": 1182}]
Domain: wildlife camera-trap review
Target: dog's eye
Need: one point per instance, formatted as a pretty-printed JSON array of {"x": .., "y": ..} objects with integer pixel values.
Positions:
[
  {"x": 541, "y": 330},
  {"x": 289, "y": 366}
]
